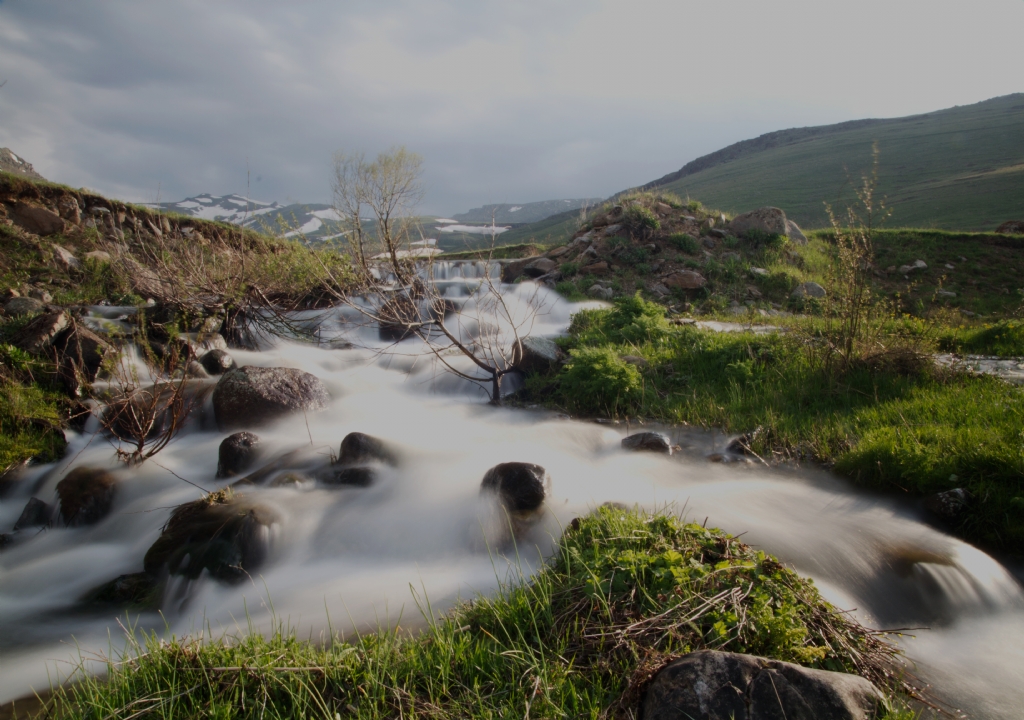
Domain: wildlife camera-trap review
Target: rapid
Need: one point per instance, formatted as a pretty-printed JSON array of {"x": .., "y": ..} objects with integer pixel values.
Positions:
[{"x": 355, "y": 558}]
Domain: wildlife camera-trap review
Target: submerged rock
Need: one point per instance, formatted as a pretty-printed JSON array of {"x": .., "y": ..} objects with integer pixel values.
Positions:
[
  {"x": 948, "y": 505},
  {"x": 81, "y": 353},
  {"x": 538, "y": 355},
  {"x": 711, "y": 685},
  {"x": 357, "y": 448},
  {"x": 520, "y": 487},
  {"x": 237, "y": 453},
  {"x": 217, "y": 361},
  {"x": 36, "y": 513},
  {"x": 86, "y": 496},
  {"x": 140, "y": 590},
  {"x": 224, "y": 534},
  {"x": 648, "y": 442},
  {"x": 359, "y": 476},
  {"x": 253, "y": 396}
]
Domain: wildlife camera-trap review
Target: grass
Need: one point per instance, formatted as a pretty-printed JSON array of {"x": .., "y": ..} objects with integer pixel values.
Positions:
[
  {"x": 959, "y": 168},
  {"x": 891, "y": 422},
  {"x": 623, "y": 594}
]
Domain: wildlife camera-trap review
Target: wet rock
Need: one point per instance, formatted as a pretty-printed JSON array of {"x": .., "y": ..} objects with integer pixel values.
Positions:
[
  {"x": 360, "y": 476},
  {"x": 711, "y": 685},
  {"x": 35, "y": 514},
  {"x": 795, "y": 234},
  {"x": 237, "y": 453},
  {"x": 224, "y": 534},
  {"x": 685, "y": 280},
  {"x": 358, "y": 448},
  {"x": 65, "y": 259},
  {"x": 537, "y": 268},
  {"x": 41, "y": 332},
  {"x": 808, "y": 289},
  {"x": 139, "y": 590},
  {"x": 81, "y": 353},
  {"x": 18, "y": 306},
  {"x": 520, "y": 487},
  {"x": 948, "y": 505},
  {"x": 200, "y": 343},
  {"x": 741, "y": 445},
  {"x": 195, "y": 369},
  {"x": 36, "y": 219},
  {"x": 648, "y": 442},
  {"x": 538, "y": 355},
  {"x": 86, "y": 496},
  {"x": 770, "y": 220},
  {"x": 253, "y": 396}
]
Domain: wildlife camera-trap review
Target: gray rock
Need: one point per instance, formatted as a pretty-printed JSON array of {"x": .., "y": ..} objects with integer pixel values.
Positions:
[
  {"x": 41, "y": 295},
  {"x": 201, "y": 343},
  {"x": 808, "y": 289},
  {"x": 360, "y": 476},
  {"x": 600, "y": 292},
  {"x": 760, "y": 272},
  {"x": 709, "y": 242},
  {"x": 69, "y": 209},
  {"x": 66, "y": 259},
  {"x": 769, "y": 220},
  {"x": 81, "y": 353},
  {"x": 217, "y": 361},
  {"x": 648, "y": 442},
  {"x": 359, "y": 448},
  {"x": 253, "y": 396},
  {"x": 237, "y": 453},
  {"x": 86, "y": 496},
  {"x": 538, "y": 355},
  {"x": 660, "y": 289},
  {"x": 945, "y": 293},
  {"x": 520, "y": 487},
  {"x": 41, "y": 332},
  {"x": 685, "y": 280},
  {"x": 948, "y": 505},
  {"x": 916, "y": 265},
  {"x": 711, "y": 685},
  {"x": 719, "y": 233},
  {"x": 100, "y": 256},
  {"x": 36, "y": 219},
  {"x": 23, "y": 306},
  {"x": 795, "y": 234},
  {"x": 36, "y": 513},
  {"x": 612, "y": 229},
  {"x": 537, "y": 268},
  {"x": 139, "y": 590}
]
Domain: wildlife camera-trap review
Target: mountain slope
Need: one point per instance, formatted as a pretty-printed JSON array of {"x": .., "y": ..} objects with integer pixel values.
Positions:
[
  {"x": 505, "y": 213},
  {"x": 313, "y": 220},
  {"x": 959, "y": 168}
]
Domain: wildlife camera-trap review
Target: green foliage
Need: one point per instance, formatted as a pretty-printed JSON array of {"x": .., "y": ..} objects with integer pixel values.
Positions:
[
  {"x": 631, "y": 320},
  {"x": 640, "y": 220},
  {"x": 634, "y": 256},
  {"x": 1005, "y": 339},
  {"x": 684, "y": 242},
  {"x": 761, "y": 239},
  {"x": 596, "y": 380},
  {"x": 565, "y": 644},
  {"x": 568, "y": 269}
]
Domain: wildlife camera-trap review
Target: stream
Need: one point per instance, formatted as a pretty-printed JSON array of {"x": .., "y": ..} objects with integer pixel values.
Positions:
[{"x": 345, "y": 558}]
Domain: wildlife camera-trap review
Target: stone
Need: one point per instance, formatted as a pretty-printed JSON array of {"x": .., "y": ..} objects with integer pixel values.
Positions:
[
  {"x": 224, "y": 534},
  {"x": 80, "y": 353},
  {"x": 559, "y": 252},
  {"x": 795, "y": 234},
  {"x": 1011, "y": 227},
  {"x": 712, "y": 685},
  {"x": 360, "y": 476},
  {"x": 139, "y": 590},
  {"x": 69, "y": 209},
  {"x": 237, "y": 453},
  {"x": 538, "y": 267},
  {"x": 612, "y": 229},
  {"x": 597, "y": 268},
  {"x": 359, "y": 448},
  {"x": 948, "y": 505},
  {"x": 759, "y": 272},
  {"x": 538, "y": 355},
  {"x": 36, "y": 219},
  {"x": 40, "y": 295},
  {"x": 600, "y": 292},
  {"x": 39, "y": 334},
  {"x": 685, "y": 280},
  {"x": 253, "y": 396},
  {"x": 916, "y": 265},
  {"x": 660, "y": 289},
  {"x": 217, "y": 361},
  {"x": 98, "y": 256},
  {"x": 86, "y": 496},
  {"x": 719, "y": 233},
  {"x": 770, "y": 220},
  {"x": 201, "y": 343},
  {"x": 23, "y": 306},
  {"x": 36, "y": 513},
  {"x": 65, "y": 259},
  {"x": 709, "y": 242},
  {"x": 945, "y": 293},
  {"x": 808, "y": 289},
  {"x": 520, "y": 487},
  {"x": 648, "y": 442}
]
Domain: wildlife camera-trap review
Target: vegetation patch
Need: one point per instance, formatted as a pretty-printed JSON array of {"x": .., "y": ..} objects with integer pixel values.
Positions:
[{"x": 624, "y": 594}]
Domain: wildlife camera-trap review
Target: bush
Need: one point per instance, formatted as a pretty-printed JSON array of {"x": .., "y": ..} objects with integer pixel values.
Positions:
[
  {"x": 685, "y": 242},
  {"x": 1005, "y": 338},
  {"x": 635, "y": 256},
  {"x": 569, "y": 268},
  {"x": 596, "y": 380},
  {"x": 762, "y": 239},
  {"x": 641, "y": 221}
]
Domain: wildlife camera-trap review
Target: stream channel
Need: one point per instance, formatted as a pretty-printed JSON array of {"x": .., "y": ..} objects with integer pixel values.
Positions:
[{"x": 345, "y": 557}]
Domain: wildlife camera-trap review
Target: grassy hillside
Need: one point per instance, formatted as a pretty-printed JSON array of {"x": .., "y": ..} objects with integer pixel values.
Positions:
[{"x": 955, "y": 169}]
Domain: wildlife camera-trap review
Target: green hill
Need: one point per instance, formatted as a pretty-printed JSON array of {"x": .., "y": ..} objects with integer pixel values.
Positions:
[{"x": 956, "y": 169}]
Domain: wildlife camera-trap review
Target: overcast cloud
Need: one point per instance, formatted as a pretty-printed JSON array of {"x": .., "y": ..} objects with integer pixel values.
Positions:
[{"x": 506, "y": 101}]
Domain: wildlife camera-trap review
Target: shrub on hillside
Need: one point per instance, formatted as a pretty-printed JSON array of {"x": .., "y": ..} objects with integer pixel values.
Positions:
[
  {"x": 685, "y": 242},
  {"x": 641, "y": 221},
  {"x": 597, "y": 380}
]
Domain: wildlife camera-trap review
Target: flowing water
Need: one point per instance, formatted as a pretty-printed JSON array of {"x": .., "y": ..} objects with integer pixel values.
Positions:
[{"x": 350, "y": 557}]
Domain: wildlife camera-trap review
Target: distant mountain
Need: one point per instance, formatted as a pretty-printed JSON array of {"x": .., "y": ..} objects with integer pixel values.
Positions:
[
  {"x": 505, "y": 213},
  {"x": 9, "y": 162},
  {"x": 957, "y": 169},
  {"x": 315, "y": 221}
]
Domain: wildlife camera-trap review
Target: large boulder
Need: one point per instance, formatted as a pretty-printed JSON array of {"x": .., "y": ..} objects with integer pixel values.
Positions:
[
  {"x": 37, "y": 219},
  {"x": 538, "y": 355},
  {"x": 237, "y": 453},
  {"x": 66, "y": 259},
  {"x": 809, "y": 289},
  {"x": 711, "y": 685},
  {"x": 81, "y": 354},
  {"x": 18, "y": 306},
  {"x": 540, "y": 266},
  {"x": 253, "y": 396},
  {"x": 217, "y": 361},
  {"x": 40, "y": 333},
  {"x": 224, "y": 534},
  {"x": 1011, "y": 227},
  {"x": 520, "y": 487},
  {"x": 770, "y": 220},
  {"x": 36, "y": 513},
  {"x": 796, "y": 235},
  {"x": 358, "y": 448},
  {"x": 86, "y": 496},
  {"x": 685, "y": 280},
  {"x": 648, "y": 442}
]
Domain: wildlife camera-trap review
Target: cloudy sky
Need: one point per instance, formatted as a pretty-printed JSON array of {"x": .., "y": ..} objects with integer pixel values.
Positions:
[{"x": 506, "y": 101}]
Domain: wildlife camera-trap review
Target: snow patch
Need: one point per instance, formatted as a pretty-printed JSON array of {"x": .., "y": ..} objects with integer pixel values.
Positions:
[{"x": 475, "y": 229}]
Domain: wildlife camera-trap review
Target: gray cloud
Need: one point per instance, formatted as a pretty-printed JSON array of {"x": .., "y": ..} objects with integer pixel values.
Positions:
[{"x": 507, "y": 102}]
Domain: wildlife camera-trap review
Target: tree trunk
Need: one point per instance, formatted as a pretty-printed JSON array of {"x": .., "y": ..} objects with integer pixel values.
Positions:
[{"x": 496, "y": 389}]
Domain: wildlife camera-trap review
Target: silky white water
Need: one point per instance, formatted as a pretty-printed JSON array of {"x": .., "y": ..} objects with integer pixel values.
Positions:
[{"x": 348, "y": 557}]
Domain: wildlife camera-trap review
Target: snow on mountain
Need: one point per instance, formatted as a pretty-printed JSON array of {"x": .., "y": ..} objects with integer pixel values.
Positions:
[{"x": 313, "y": 220}]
